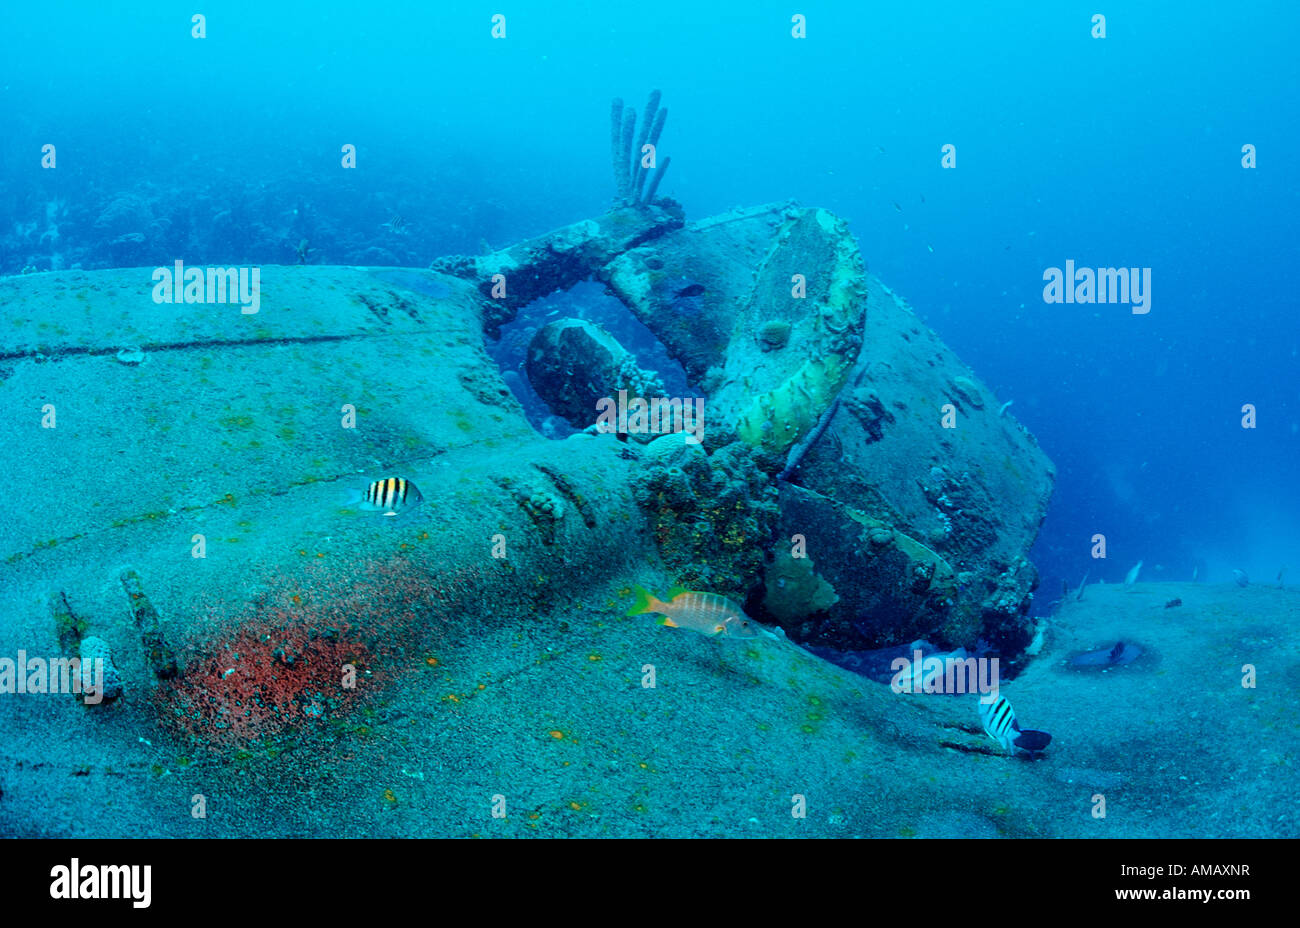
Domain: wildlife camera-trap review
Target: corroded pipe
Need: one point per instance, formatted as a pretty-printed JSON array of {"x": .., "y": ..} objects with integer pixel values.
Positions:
[
  {"x": 638, "y": 172},
  {"x": 616, "y": 147},
  {"x": 625, "y": 151},
  {"x": 654, "y": 184}
]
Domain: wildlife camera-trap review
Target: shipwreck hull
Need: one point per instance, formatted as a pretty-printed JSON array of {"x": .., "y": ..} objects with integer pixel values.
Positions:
[
  {"x": 827, "y": 495},
  {"x": 833, "y": 387}
]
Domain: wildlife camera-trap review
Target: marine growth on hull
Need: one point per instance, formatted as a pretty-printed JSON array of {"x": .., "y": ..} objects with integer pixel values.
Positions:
[
  {"x": 832, "y": 464},
  {"x": 723, "y": 426}
]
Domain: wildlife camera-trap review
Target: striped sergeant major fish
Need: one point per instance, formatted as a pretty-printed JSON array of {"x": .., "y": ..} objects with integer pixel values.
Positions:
[
  {"x": 391, "y": 496},
  {"x": 1000, "y": 723}
]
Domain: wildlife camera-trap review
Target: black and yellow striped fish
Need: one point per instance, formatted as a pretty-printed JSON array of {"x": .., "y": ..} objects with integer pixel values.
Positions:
[
  {"x": 392, "y": 495},
  {"x": 1000, "y": 723}
]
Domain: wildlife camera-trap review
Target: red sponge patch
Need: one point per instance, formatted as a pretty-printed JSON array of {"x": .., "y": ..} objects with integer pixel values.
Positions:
[{"x": 312, "y": 653}]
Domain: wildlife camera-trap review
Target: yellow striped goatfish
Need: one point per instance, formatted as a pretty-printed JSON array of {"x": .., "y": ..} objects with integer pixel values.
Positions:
[{"x": 706, "y": 613}]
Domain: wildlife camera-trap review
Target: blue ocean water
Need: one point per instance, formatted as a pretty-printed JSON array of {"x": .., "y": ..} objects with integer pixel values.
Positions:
[
  {"x": 1115, "y": 151},
  {"x": 1122, "y": 151}
]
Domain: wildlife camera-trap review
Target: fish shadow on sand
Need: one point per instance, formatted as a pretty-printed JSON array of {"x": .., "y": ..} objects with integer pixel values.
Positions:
[
  {"x": 1123, "y": 653},
  {"x": 701, "y": 660}
]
